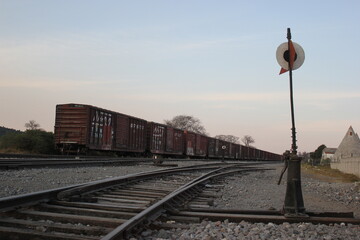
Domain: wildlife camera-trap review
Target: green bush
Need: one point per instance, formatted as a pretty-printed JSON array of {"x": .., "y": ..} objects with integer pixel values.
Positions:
[{"x": 32, "y": 141}]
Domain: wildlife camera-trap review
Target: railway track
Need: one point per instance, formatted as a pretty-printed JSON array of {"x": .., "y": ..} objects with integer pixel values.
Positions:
[
  {"x": 16, "y": 163},
  {"x": 107, "y": 209},
  {"x": 19, "y": 161},
  {"x": 121, "y": 207}
]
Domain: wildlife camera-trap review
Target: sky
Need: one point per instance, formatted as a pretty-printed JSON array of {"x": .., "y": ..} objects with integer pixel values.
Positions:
[{"x": 214, "y": 60}]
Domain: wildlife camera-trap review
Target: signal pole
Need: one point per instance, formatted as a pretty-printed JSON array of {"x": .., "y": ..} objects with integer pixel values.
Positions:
[{"x": 294, "y": 203}]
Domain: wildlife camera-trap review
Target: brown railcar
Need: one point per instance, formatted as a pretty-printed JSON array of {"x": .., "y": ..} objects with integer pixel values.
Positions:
[
  {"x": 84, "y": 127},
  {"x": 130, "y": 134},
  {"x": 175, "y": 139},
  {"x": 220, "y": 149},
  {"x": 190, "y": 143},
  {"x": 81, "y": 127},
  {"x": 224, "y": 149},
  {"x": 251, "y": 153},
  {"x": 201, "y": 146},
  {"x": 212, "y": 147},
  {"x": 165, "y": 140},
  {"x": 234, "y": 151},
  {"x": 245, "y": 152},
  {"x": 71, "y": 126}
]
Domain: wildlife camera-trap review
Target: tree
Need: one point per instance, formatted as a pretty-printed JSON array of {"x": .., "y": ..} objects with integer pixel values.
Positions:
[
  {"x": 32, "y": 125},
  {"x": 316, "y": 155},
  {"x": 228, "y": 138},
  {"x": 30, "y": 141},
  {"x": 185, "y": 122},
  {"x": 247, "y": 140}
]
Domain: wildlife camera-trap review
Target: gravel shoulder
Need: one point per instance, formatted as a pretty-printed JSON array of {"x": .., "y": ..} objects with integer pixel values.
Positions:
[{"x": 259, "y": 190}]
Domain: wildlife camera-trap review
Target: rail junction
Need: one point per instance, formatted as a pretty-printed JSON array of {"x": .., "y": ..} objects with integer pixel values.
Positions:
[{"x": 119, "y": 207}]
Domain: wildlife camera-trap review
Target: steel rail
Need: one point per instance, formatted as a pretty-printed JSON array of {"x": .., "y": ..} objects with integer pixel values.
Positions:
[
  {"x": 50, "y": 162},
  {"x": 12, "y": 202},
  {"x": 101, "y": 184},
  {"x": 275, "y": 217},
  {"x": 44, "y": 198},
  {"x": 161, "y": 206}
]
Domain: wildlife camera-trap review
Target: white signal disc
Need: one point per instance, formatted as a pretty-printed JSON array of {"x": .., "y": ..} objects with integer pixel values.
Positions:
[{"x": 300, "y": 56}]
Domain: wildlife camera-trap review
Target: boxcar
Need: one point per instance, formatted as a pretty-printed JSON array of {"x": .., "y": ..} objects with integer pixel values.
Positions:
[
  {"x": 196, "y": 145},
  {"x": 234, "y": 151},
  {"x": 244, "y": 152},
  {"x": 212, "y": 147},
  {"x": 81, "y": 127},
  {"x": 190, "y": 143},
  {"x": 238, "y": 151},
  {"x": 251, "y": 153},
  {"x": 224, "y": 149},
  {"x": 201, "y": 145},
  {"x": 175, "y": 139},
  {"x": 71, "y": 126},
  {"x": 219, "y": 148},
  {"x": 130, "y": 134},
  {"x": 164, "y": 140}
]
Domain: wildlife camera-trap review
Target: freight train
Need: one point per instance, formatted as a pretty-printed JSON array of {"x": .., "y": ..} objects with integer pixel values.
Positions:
[{"x": 81, "y": 128}]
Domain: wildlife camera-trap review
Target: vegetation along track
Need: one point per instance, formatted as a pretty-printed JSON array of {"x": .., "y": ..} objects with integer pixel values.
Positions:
[{"x": 106, "y": 209}]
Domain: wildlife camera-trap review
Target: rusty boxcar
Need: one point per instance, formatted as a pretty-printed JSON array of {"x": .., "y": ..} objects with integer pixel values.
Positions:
[
  {"x": 196, "y": 145},
  {"x": 190, "y": 143},
  {"x": 201, "y": 145},
  {"x": 175, "y": 139},
  {"x": 218, "y": 148},
  {"x": 164, "y": 140},
  {"x": 80, "y": 127},
  {"x": 234, "y": 151}
]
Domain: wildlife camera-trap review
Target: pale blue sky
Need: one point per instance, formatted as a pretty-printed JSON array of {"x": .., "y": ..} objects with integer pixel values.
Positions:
[{"x": 214, "y": 60}]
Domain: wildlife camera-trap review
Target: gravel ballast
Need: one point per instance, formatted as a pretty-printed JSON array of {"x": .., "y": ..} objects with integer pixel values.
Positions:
[{"x": 256, "y": 190}]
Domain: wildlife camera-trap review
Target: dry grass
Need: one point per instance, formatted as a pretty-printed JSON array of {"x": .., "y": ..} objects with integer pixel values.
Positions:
[
  {"x": 12, "y": 151},
  {"x": 326, "y": 171}
]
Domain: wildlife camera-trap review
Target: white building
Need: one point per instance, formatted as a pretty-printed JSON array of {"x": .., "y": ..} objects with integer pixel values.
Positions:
[
  {"x": 347, "y": 155},
  {"x": 349, "y": 146},
  {"x": 328, "y": 154}
]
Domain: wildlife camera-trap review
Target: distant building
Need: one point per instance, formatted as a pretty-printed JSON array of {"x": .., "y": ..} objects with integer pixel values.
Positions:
[
  {"x": 328, "y": 154},
  {"x": 347, "y": 155},
  {"x": 349, "y": 146}
]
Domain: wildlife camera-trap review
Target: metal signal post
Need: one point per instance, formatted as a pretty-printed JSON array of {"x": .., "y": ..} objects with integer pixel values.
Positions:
[
  {"x": 293, "y": 129},
  {"x": 294, "y": 203}
]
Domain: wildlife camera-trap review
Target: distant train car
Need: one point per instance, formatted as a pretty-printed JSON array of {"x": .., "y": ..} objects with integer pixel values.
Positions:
[
  {"x": 201, "y": 145},
  {"x": 175, "y": 139},
  {"x": 81, "y": 127},
  {"x": 190, "y": 143},
  {"x": 234, "y": 151},
  {"x": 218, "y": 148},
  {"x": 196, "y": 145},
  {"x": 164, "y": 140},
  {"x": 225, "y": 149},
  {"x": 129, "y": 134},
  {"x": 214, "y": 148},
  {"x": 244, "y": 152}
]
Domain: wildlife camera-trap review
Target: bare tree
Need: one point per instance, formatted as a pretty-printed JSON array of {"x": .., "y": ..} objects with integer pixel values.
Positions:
[
  {"x": 188, "y": 123},
  {"x": 247, "y": 140},
  {"x": 228, "y": 138},
  {"x": 32, "y": 125}
]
